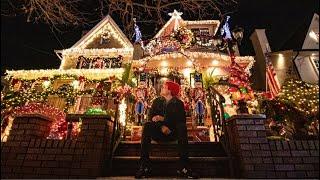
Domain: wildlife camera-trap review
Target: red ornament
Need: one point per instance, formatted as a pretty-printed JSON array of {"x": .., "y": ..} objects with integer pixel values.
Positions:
[
  {"x": 81, "y": 78},
  {"x": 14, "y": 81},
  {"x": 235, "y": 102},
  {"x": 233, "y": 89},
  {"x": 268, "y": 95},
  {"x": 112, "y": 78},
  {"x": 99, "y": 86}
]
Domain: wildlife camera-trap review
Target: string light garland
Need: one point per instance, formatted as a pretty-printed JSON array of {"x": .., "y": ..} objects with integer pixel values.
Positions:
[
  {"x": 58, "y": 129},
  {"x": 294, "y": 113},
  {"x": 303, "y": 96},
  {"x": 173, "y": 46},
  {"x": 90, "y": 74},
  {"x": 30, "y": 94},
  {"x": 29, "y": 100}
]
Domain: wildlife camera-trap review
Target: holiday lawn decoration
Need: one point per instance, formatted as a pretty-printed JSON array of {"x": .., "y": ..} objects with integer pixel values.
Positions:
[
  {"x": 198, "y": 99},
  {"x": 140, "y": 105},
  {"x": 290, "y": 114}
]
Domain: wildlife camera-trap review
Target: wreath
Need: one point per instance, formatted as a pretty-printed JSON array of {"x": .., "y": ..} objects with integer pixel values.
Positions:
[{"x": 184, "y": 36}]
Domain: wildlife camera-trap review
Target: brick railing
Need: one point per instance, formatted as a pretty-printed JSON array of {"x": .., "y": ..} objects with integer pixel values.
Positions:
[
  {"x": 258, "y": 157},
  {"x": 28, "y": 154}
]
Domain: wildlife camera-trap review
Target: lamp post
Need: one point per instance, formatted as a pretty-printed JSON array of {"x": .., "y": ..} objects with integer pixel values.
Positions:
[
  {"x": 238, "y": 34},
  {"x": 230, "y": 42}
]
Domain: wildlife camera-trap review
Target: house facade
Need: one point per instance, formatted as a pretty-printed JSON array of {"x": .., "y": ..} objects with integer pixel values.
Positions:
[{"x": 95, "y": 67}]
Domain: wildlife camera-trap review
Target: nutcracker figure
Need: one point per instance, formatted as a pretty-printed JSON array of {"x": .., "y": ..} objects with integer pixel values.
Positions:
[
  {"x": 141, "y": 95},
  {"x": 198, "y": 98},
  {"x": 140, "y": 106},
  {"x": 199, "y": 107}
]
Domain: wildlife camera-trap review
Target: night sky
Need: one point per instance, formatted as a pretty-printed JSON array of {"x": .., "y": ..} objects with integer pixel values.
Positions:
[{"x": 30, "y": 46}]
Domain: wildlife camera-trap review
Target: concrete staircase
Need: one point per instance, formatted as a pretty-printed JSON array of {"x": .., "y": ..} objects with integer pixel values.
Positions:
[
  {"x": 192, "y": 128},
  {"x": 208, "y": 159}
]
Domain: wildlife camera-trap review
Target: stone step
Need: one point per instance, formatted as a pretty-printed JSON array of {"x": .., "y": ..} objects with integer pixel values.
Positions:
[
  {"x": 167, "y": 166},
  {"x": 190, "y": 138},
  {"x": 191, "y": 130},
  {"x": 169, "y": 149}
]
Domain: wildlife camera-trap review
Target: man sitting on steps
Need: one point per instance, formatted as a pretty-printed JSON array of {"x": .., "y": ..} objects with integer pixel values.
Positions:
[{"x": 168, "y": 123}]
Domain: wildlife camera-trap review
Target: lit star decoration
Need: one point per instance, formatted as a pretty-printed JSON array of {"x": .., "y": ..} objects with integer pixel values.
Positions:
[{"x": 176, "y": 15}]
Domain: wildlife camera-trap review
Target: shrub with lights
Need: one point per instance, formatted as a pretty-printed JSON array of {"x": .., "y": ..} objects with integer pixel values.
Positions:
[{"x": 294, "y": 113}]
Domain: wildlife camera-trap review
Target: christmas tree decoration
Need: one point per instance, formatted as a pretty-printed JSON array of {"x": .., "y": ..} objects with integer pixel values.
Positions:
[{"x": 240, "y": 89}]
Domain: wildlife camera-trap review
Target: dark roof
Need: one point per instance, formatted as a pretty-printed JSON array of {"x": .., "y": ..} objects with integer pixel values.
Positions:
[{"x": 296, "y": 38}]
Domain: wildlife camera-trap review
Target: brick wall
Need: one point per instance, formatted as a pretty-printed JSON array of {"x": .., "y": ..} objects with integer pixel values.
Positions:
[
  {"x": 295, "y": 159},
  {"x": 257, "y": 157},
  {"x": 28, "y": 154}
]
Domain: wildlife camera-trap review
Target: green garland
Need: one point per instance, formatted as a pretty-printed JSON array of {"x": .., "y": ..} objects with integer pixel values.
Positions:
[
  {"x": 18, "y": 98},
  {"x": 99, "y": 111}
]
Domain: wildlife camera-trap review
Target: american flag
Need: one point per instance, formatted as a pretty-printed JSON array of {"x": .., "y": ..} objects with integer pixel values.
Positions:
[{"x": 273, "y": 85}]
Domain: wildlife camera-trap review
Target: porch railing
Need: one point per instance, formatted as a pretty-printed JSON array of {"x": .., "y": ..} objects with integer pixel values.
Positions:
[
  {"x": 217, "y": 112},
  {"x": 216, "y": 101}
]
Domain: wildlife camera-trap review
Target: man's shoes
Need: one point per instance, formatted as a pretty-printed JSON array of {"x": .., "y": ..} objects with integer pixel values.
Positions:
[
  {"x": 143, "y": 172},
  {"x": 187, "y": 174}
]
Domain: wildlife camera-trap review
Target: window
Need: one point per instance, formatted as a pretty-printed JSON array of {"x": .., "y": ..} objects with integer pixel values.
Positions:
[
  {"x": 99, "y": 62},
  {"x": 204, "y": 31},
  {"x": 195, "y": 31},
  {"x": 38, "y": 86},
  {"x": 201, "y": 35}
]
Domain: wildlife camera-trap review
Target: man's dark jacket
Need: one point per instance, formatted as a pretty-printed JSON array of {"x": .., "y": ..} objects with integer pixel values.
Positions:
[{"x": 173, "y": 112}]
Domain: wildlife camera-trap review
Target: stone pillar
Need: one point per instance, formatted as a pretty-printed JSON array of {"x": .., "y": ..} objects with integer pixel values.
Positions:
[
  {"x": 94, "y": 138},
  {"x": 250, "y": 146},
  {"x": 30, "y": 126},
  {"x": 261, "y": 46}
]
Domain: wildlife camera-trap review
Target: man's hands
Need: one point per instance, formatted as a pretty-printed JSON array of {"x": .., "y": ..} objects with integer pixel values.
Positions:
[
  {"x": 165, "y": 130},
  {"x": 157, "y": 118}
]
